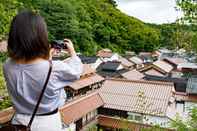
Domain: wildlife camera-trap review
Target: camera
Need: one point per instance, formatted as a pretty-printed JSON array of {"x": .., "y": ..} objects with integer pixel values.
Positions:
[{"x": 58, "y": 44}]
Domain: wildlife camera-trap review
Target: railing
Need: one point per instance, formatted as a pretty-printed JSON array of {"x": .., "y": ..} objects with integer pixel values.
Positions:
[{"x": 118, "y": 123}]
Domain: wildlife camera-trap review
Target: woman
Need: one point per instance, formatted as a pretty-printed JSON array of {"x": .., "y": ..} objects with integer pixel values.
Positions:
[{"x": 26, "y": 70}]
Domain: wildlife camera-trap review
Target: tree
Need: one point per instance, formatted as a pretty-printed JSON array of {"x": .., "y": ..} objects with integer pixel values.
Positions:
[
  {"x": 189, "y": 8},
  {"x": 186, "y": 125}
]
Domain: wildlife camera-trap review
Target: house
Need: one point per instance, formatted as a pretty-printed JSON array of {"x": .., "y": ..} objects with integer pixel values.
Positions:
[
  {"x": 146, "y": 57},
  {"x": 137, "y": 101},
  {"x": 133, "y": 75},
  {"x": 111, "y": 69},
  {"x": 127, "y": 64},
  {"x": 153, "y": 72},
  {"x": 80, "y": 112},
  {"x": 188, "y": 68},
  {"x": 174, "y": 61},
  {"x": 89, "y": 81},
  {"x": 137, "y": 61},
  {"x": 118, "y": 100},
  {"x": 94, "y": 61},
  {"x": 163, "y": 53},
  {"x": 107, "y": 55},
  {"x": 184, "y": 102},
  {"x": 163, "y": 66},
  {"x": 129, "y": 54}
]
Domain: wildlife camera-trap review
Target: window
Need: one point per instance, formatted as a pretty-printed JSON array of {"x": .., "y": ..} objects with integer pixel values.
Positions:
[
  {"x": 180, "y": 106},
  {"x": 135, "y": 117},
  {"x": 138, "y": 118}
]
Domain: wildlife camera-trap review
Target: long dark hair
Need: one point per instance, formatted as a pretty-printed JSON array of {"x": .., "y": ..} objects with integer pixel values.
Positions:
[{"x": 28, "y": 37}]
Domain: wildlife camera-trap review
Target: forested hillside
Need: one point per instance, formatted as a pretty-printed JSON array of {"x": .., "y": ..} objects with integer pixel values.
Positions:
[
  {"x": 91, "y": 24},
  {"x": 95, "y": 24}
]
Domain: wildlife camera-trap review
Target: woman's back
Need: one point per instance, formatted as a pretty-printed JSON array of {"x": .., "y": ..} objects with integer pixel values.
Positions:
[{"x": 25, "y": 82}]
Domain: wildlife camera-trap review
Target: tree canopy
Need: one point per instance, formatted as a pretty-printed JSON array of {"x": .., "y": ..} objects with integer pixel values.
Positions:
[{"x": 91, "y": 24}]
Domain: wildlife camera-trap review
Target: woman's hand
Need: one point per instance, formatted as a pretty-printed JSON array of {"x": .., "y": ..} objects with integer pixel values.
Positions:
[
  {"x": 70, "y": 48},
  {"x": 52, "y": 52}
]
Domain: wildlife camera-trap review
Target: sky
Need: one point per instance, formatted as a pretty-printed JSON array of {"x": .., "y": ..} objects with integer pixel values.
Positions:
[{"x": 151, "y": 11}]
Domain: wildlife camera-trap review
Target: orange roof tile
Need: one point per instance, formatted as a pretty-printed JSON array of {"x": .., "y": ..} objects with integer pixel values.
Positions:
[
  {"x": 75, "y": 110},
  {"x": 163, "y": 66},
  {"x": 133, "y": 75},
  {"x": 83, "y": 82},
  {"x": 137, "y": 96}
]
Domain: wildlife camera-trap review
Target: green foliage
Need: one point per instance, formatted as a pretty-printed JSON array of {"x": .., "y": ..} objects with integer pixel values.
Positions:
[
  {"x": 189, "y": 8},
  {"x": 92, "y": 128},
  {"x": 3, "y": 56},
  {"x": 178, "y": 35},
  {"x": 8, "y": 9},
  {"x": 5, "y": 103},
  {"x": 3, "y": 91},
  {"x": 91, "y": 24},
  {"x": 186, "y": 125},
  {"x": 154, "y": 128}
]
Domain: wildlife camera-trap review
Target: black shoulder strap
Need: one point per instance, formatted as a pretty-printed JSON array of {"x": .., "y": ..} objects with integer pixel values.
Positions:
[{"x": 41, "y": 94}]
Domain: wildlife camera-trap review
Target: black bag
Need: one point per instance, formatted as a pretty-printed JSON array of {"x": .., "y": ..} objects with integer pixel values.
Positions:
[{"x": 11, "y": 127}]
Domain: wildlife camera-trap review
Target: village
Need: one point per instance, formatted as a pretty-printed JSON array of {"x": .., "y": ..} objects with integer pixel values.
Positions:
[{"x": 129, "y": 91}]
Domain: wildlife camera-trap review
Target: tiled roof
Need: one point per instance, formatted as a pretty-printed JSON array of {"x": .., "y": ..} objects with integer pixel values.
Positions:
[
  {"x": 73, "y": 111},
  {"x": 112, "y": 74},
  {"x": 137, "y": 96},
  {"x": 125, "y": 62},
  {"x": 105, "y": 53},
  {"x": 110, "y": 65},
  {"x": 88, "y": 59},
  {"x": 175, "y": 61},
  {"x": 187, "y": 66},
  {"x": 153, "y": 72},
  {"x": 145, "y": 54},
  {"x": 133, "y": 75},
  {"x": 136, "y": 60},
  {"x": 163, "y": 66},
  {"x": 3, "y": 46},
  {"x": 86, "y": 81},
  {"x": 87, "y": 69}
]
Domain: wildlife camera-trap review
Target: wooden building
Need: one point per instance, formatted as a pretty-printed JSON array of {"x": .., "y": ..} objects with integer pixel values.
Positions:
[{"x": 89, "y": 81}]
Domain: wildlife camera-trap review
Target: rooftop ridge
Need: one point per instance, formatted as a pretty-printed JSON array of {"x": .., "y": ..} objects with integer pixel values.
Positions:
[{"x": 141, "y": 81}]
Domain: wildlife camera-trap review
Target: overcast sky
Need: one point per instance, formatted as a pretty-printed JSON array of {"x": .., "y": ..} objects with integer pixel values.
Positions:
[{"x": 152, "y": 11}]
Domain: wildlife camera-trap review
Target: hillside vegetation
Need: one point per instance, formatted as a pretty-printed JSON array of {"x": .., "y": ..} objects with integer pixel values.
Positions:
[
  {"x": 96, "y": 24},
  {"x": 91, "y": 24}
]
